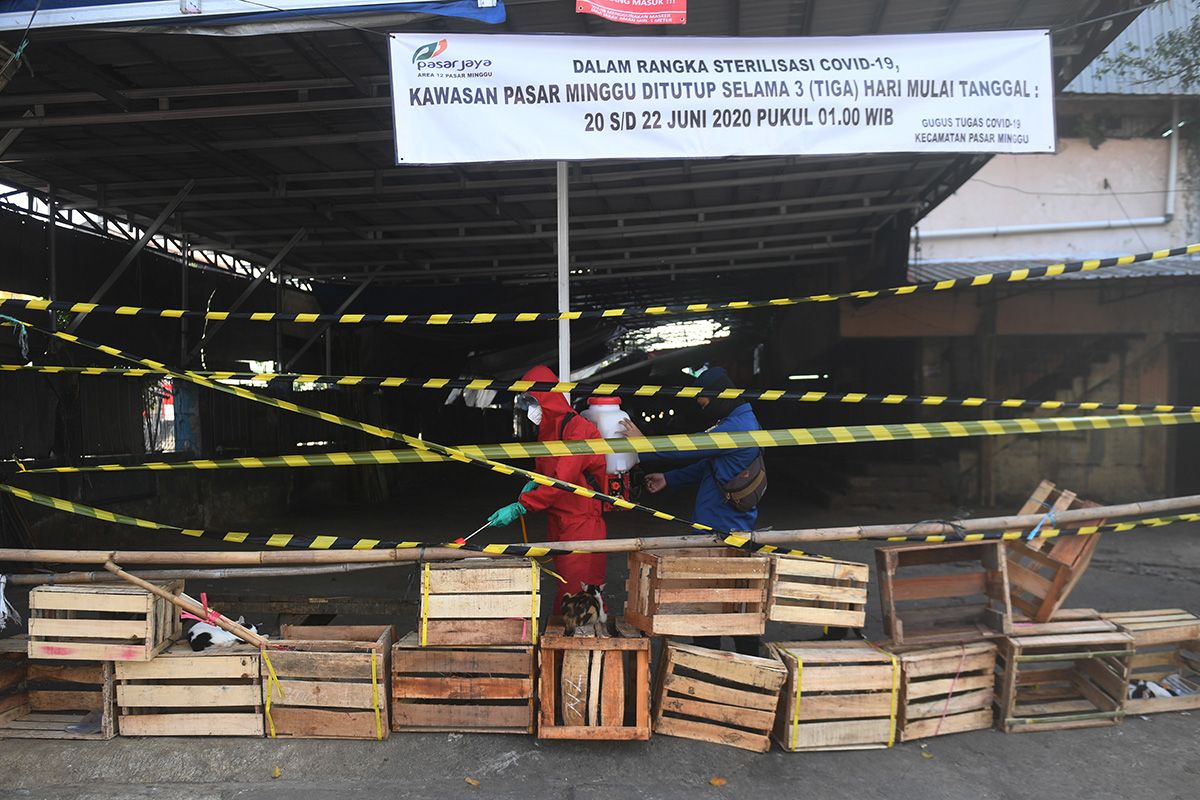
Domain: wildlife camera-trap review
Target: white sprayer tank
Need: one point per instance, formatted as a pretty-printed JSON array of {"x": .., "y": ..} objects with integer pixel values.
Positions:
[{"x": 606, "y": 414}]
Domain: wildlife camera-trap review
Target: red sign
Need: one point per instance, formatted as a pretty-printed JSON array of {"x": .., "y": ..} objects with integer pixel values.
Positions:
[{"x": 637, "y": 12}]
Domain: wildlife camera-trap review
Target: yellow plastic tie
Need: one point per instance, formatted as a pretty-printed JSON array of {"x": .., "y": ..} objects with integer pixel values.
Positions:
[
  {"x": 895, "y": 698},
  {"x": 272, "y": 685},
  {"x": 796, "y": 699},
  {"x": 425, "y": 607},
  {"x": 535, "y": 580},
  {"x": 375, "y": 697}
]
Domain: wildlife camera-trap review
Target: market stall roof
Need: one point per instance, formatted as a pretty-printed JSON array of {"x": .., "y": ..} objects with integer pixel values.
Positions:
[{"x": 293, "y": 131}]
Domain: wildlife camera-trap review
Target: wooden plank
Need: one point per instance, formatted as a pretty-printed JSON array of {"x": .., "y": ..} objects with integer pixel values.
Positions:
[
  {"x": 124, "y": 629},
  {"x": 453, "y": 662},
  {"x": 593, "y": 697},
  {"x": 595, "y": 733},
  {"x": 704, "y": 732},
  {"x": 842, "y": 733},
  {"x": 708, "y": 624},
  {"x": 551, "y": 642},
  {"x": 476, "y": 606},
  {"x": 827, "y": 594},
  {"x": 132, "y": 602},
  {"x": 327, "y": 694},
  {"x": 479, "y": 632},
  {"x": 452, "y": 717},
  {"x": 717, "y": 712},
  {"x": 486, "y": 580},
  {"x": 315, "y": 723},
  {"x": 762, "y": 673},
  {"x": 379, "y": 635},
  {"x": 196, "y": 696},
  {"x": 821, "y": 568},
  {"x": 833, "y": 652},
  {"x": 691, "y": 687},
  {"x": 930, "y": 587},
  {"x": 292, "y": 664},
  {"x": 205, "y": 724},
  {"x": 842, "y": 677},
  {"x": 939, "y": 686},
  {"x": 916, "y": 555},
  {"x": 1155, "y": 705},
  {"x": 755, "y": 567},
  {"x": 666, "y": 596},
  {"x": 191, "y": 668},
  {"x": 612, "y": 710},
  {"x": 548, "y": 661},
  {"x": 576, "y": 665},
  {"x": 1022, "y": 577},
  {"x": 464, "y": 688},
  {"x": 978, "y": 720},
  {"x": 957, "y": 704},
  {"x": 917, "y": 618},
  {"x": 951, "y": 664},
  {"x": 817, "y": 616},
  {"x": 841, "y": 706},
  {"x": 64, "y": 701},
  {"x": 89, "y": 652},
  {"x": 1066, "y": 643}
]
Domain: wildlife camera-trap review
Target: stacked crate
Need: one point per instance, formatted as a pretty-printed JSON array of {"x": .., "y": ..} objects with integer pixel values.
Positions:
[
  {"x": 470, "y": 665},
  {"x": 698, "y": 592}
]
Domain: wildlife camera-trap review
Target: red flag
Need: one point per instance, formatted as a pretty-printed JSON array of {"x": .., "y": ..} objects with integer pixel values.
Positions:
[{"x": 636, "y": 12}]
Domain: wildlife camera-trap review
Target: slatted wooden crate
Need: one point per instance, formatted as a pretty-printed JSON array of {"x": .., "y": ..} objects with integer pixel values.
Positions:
[
  {"x": 487, "y": 602},
  {"x": 837, "y": 696},
  {"x": 460, "y": 688},
  {"x": 40, "y": 699},
  {"x": 1060, "y": 675},
  {"x": 334, "y": 682},
  {"x": 216, "y": 692},
  {"x": 818, "y": 591},
  {"x": 1166, "y": 642},
  {"x": 101, "y": 622},
  {"x": 698, "y": 592},
  {"x": 1042, "y": 572},
  {"x": 594, "y": 687},
  {"x": 940, "y": 593},
  {"x": 945, "y": 688},
  {"x": 711, "y": 696}
]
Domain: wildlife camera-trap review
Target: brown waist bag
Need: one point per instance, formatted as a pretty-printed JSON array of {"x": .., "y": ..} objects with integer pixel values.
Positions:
[{"x": 745, "y": 490}]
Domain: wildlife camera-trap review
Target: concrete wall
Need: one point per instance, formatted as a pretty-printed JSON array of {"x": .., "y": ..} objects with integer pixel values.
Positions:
[{"x": 1115, "y": 180}]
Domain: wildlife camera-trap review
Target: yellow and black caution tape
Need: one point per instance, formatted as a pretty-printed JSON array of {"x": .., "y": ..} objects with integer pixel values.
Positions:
[
  {"x": 619, "y": 389},
  {"x": 737, "y": 540},
  {"x": 680, "y": 442},
  {"x": 376, "y": 430},
  {"x": 483, "y": 318}
]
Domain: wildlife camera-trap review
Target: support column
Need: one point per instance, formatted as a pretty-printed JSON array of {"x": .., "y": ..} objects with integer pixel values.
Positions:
[
  {"x": 52, "y": 251},
  {"x": 564, "y": 272}
]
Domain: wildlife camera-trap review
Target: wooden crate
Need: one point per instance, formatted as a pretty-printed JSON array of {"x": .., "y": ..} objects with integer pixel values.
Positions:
[
  {"x": 945, "y": 688},
  {"x": 1166, "y": 642},
  {"x": 1042, "y": 572},
  {"x": 818, "y": 591},
  {"x": 1060, "y": 675},
  {"x": 39, "y": 699},
  {"x": 459, "y": 688},
  {"x": 116, "y": 622},
  {"x": 936, "y": 600},
  {"x": 594, "y": 687},
  {"x": 333, "y": 682},
  {"x": 216, "y": 692},
  {"x": 488, "y": 602},
  {"x": 698, "y": 592},
  {"x": 711, "y": 696},
  {"x": 837, "y": 696}
]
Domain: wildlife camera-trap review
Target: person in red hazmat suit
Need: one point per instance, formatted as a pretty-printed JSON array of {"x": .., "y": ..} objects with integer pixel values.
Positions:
[{"x": 569, "y": 516}]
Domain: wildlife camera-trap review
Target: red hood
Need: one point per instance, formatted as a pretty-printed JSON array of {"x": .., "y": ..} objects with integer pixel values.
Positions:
[{"x": 554, "y": 405}]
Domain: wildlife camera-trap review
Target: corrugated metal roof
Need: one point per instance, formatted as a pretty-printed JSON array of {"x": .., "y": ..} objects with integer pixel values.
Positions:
[
  {"x": 1142, "y": 32},
  {"x": 1181, "y": 267}
]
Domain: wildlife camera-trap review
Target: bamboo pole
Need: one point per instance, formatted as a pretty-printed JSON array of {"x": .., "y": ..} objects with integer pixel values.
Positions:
[
  {"x": 57, "y": 578},
  {"x": 848, "y": 533},
  {"x": 191, "y": 606}
]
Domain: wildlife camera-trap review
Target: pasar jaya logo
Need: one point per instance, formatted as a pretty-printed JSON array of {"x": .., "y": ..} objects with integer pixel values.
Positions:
[{"x": 428, "y": 51}]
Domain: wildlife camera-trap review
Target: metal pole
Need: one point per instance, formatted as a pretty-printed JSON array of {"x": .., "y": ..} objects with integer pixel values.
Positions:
[
  {"x": 52, "y": 250},
  {"x": 564, "y": 271},
  {"x": 183, "y": 292}
]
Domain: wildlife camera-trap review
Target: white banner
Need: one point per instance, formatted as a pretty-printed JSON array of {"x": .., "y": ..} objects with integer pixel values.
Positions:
[{"x": 464, "y": 97}]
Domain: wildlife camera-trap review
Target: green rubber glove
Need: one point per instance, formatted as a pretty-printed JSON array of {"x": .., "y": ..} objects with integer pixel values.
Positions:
[
  {"x": 529, "y": 487},
  {"x": 507, "y": 515}
]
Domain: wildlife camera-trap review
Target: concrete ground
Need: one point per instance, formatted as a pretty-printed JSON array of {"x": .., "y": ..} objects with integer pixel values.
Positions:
[{"x": 1155, "y": 757}]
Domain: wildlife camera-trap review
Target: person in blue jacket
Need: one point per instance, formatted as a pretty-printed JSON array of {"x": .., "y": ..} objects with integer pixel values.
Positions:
[{"x": 709, "y": 469}]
